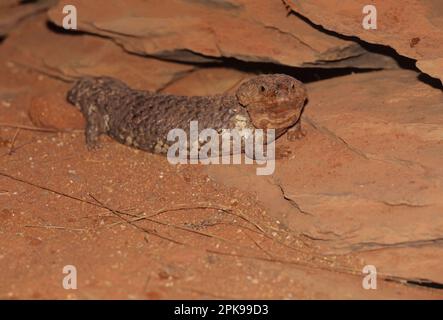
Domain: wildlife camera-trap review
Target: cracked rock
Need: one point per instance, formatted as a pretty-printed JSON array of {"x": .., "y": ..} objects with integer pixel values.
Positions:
[
  {"x": 413, "y": 28},
  {"x": 68, "y": 57},
  {"x": 202, "y": 31}
]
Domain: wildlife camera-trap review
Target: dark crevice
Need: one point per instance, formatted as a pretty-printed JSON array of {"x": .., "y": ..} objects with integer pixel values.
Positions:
[
  {"x": 417, "y": 282},
  {"x": 426, "y": 283},
  {"x": 403, "y": 62},
  {"x": 59, "y": 30},
  {"x": 304, "y": 74},
  {"x": 433, "y": 82}
]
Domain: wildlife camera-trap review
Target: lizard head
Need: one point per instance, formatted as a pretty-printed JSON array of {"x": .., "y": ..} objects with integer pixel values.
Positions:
[{"x": 273, "y": 101}]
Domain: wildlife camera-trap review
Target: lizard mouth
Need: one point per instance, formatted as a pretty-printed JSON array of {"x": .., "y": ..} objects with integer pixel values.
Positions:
[{"x": 277, "y": 115}]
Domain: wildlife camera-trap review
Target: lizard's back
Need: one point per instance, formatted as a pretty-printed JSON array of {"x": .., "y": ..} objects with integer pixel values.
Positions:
[{"x": 143, "y": 119}]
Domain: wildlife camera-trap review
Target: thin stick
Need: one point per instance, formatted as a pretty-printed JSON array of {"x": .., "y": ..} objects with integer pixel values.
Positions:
[
  {"x": 11, "y": 148},
  {"x": 258, "y": 245},
  {"x": 148, "y": 231},
  {"x": 31, "y": 128},
  {"x": 245, "y": 219},
  {"x": 48, "y": 189},
  {"x": 54, "y": 227},
  {"x": 147, "y": 218},
  {"x": 224, "y": 209},
  {"x": 164, "y": 210},
  {"x": 204, "y": 234},
  {"x": 289, "y": 262},
  {"x": 179, "y": 208},
  {"x": 221, "y": 208}
]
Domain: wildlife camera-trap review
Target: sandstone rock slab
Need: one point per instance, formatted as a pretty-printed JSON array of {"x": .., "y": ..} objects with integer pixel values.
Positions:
[
  {"x": 413, "y": 28},
  {"x": 367, "y": 178},
  {"x": 12, "y": 12},
  {"x": 201, "y": 31},
  {"x": 68, "y": 56}
]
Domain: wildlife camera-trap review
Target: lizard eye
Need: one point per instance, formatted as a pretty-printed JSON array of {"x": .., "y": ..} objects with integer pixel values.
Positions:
[
  {"x": 293, "y": 86},
  {"x": 262, "y": 88}
]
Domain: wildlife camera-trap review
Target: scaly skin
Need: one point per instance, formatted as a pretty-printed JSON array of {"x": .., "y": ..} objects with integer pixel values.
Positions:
[{"x": 143, "y": 119}]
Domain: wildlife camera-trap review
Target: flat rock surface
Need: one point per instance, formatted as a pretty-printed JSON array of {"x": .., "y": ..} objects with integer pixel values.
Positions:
[{"x": 366, "y": 176}]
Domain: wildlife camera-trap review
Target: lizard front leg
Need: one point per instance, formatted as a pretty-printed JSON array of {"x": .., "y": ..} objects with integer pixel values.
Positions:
[{"x": 296, "y": 132}]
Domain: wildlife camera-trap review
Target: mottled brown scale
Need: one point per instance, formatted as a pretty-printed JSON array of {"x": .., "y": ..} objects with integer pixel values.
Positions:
[{"x": 143, "y": 119}]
